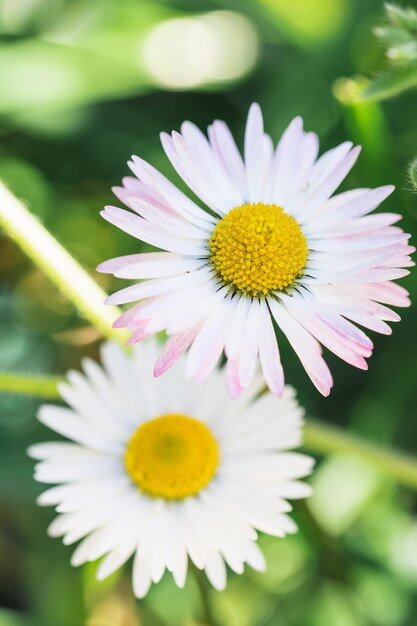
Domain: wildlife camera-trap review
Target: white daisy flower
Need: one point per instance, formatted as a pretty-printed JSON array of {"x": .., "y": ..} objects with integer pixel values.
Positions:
[
  {"x": 272, "y": 245},
  {"x": 165, "y": 470}
]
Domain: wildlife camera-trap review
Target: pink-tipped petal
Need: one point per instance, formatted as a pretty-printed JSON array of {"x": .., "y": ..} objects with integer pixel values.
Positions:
[
  {"x": 209, "y": 343},
  {"x": 112, "y": 265},
  {"x": 148, "y": 288},
  {"x": 330, "y": 338},
  {"x": 174, "y": 348},
  {"x": 145, "y": 231},
  {"x": 325, "y": 188},
  {"x": 384, "y": 292},
  {"x": 306, "y": 347},
  {"x": 232, "y": 378},
  {"x": 170, "y": 193}
]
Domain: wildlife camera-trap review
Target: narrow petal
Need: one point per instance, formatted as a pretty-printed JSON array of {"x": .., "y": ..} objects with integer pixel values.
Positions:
[
  {"x": 175, "y": 346},
  {"x": 149, "y": 288},
  {"x": 269, "y": 353},
  {"x": 185, "y": 163},
  {"x": 322, "y": 188},
  {"x": 248, "y": 353},
  {"x": 353, "y": 208},
  {"x": 172, "y": 195},
  {"x": 143, "y": 230},
  {"x": 209, "y": 343},
  {"x": 253, "y": 153},
  {"x": 306, "y": 347},
  {"x": 285, "y": 163},
  {"x": 224, "y": 145}
]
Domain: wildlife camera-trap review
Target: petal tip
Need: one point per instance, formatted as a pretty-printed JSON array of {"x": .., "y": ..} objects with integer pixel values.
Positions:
[
  {"x": 158, "y": 370},
  {"x": 101, "y": 267},
  {"x": 132, "y": 340}
]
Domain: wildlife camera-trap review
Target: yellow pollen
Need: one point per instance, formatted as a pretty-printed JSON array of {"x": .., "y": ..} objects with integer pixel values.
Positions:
[
  {"x": 172, "y": 456},
  {"x": 258, "y": 249}
]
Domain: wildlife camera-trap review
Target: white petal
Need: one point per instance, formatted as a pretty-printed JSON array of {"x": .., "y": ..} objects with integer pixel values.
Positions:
[
  {"x": 209, "y": 342},
  {"x": 171, "y": 194},
  {"x": 224, "y": 145},
  {"x": 327, "y": 179},
  {"x": 67, "y": 423},
  {"x": 269, "y": 353},
  {"x": 285, "y": 163},
  {"x": 306, "y": 347},
  {"x": 216, "y": 571},
  {"x": 141, "y": 576},
  {"x": 158, "y": 269},
  {"x": 248, "y": 353},
  {"x": 254, "y": 162},
  {"x": 185, "y": 161},
  {"x": 114, "y": 560},
  {"x": 352, "y": 208},
  {"x": 208, "y": 159},
  {"x": 149, "y": 233}
]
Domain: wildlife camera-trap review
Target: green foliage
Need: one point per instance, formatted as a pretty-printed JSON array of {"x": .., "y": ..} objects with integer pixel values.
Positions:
[
  {"x": 399, "y": 34},
  {"x": 392, "y": 82},
  {"x": 399, "y": 38},
  {"x": 402, "y": 18}
]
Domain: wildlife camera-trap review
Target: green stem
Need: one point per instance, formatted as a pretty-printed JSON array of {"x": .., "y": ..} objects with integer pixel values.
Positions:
[
  {"x": 205, "y": 590},
  {"x": 62, "y": 269},
  {"x": 323, "y": 438},
  {"x": 42, "y": 386}
]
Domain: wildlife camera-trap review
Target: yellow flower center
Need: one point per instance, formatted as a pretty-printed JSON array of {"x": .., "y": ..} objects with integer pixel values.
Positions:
[
  {"x": 258, "y": 248},
  {"x": 172, "y": 456}
]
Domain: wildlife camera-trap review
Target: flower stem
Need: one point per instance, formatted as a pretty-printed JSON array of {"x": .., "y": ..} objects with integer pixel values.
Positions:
[
  {"x": 323, "y": 438},
  {"x": 205, "y": 589},
  {"x": 60, "y": 267},
  {"x": 40, "y": 386}
]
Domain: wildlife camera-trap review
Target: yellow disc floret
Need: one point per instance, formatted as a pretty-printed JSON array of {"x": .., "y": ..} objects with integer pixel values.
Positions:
[
  {"x": 172, "y": 456},
  {"x": 258, "y": 249}
]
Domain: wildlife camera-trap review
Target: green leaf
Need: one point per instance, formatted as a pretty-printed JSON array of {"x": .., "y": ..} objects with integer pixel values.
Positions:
[
  {"x": 391, "y": 82},
  {"x": 391, "y": 36},
  {"x": 404, "y": 18}
]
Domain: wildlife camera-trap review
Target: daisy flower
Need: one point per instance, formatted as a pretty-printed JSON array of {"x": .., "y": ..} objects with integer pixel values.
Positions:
[
  {"x": 165, "y": 470},
  {"x": 272, "y": 245}
]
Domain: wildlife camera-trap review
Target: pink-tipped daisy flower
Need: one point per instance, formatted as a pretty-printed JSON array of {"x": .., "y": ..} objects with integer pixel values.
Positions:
[{"x": 269, "y": 243}]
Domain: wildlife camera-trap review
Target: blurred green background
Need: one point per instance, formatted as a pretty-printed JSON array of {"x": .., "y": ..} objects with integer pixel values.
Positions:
[{"x": 85, "y": 84}]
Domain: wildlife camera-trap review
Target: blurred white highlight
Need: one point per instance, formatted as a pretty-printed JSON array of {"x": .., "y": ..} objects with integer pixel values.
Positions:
[{"x": 188, "y": 52}]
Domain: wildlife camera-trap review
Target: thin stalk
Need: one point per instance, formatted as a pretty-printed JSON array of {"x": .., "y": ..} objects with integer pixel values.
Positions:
[
  {"x": 205, "y": 589},
  {"x": 60, "y": 267},
  {"x": 39, "y": 386},
  {"x": 322, "y": 438}
]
